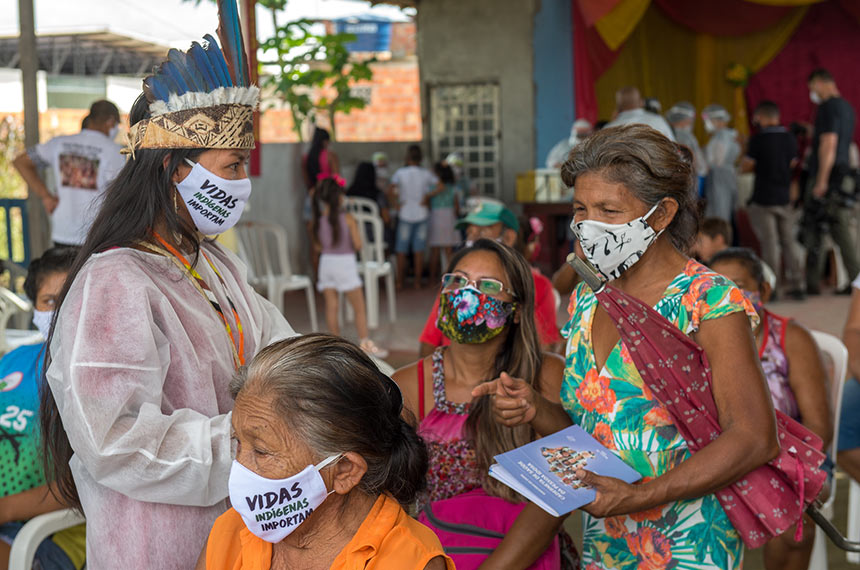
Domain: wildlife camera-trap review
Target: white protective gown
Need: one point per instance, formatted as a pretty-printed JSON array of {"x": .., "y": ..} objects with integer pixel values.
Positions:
[{"x": 140, "y": 372}]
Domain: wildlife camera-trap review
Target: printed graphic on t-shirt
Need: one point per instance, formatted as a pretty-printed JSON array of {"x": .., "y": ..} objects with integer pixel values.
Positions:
[{"x": 79, "y": 171}]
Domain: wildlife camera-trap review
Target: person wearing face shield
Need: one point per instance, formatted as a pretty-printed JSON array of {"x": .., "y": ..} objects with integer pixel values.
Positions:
[
  {"x": 721, "y": 153},
  {"x": 578, "y": 132},
  {"x": 24, "y": 491},
  {"x": 82, "y": 166},
  {"x": 154, "y": 320},
  {"x": 635, "y": 216},
  {"x": 682, "y": 117}
]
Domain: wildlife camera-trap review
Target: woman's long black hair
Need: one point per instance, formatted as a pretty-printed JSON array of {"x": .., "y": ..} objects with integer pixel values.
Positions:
[
  {"x": 139, "y": 197},
  {"x": 364, "y": 182},
  {"x": 312, "y": 165}
]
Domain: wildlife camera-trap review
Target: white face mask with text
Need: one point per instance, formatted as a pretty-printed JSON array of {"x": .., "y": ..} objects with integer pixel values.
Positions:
[
  {"x": 614, "y": 248},
  {"x": 215, "y": 203},
  {"x": 274, "y": 508}
]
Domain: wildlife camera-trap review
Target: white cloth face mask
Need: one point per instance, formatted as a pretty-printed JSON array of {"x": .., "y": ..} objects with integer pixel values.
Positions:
[
  {"x": 815, "y": 97},
  {"x": 614, "y": 248},
  {"x": 42, "y": 320},
  {"x": 215, "y": 203},
  {"x": 274, "y": 508},
  {"x": 709, "y": 126}
]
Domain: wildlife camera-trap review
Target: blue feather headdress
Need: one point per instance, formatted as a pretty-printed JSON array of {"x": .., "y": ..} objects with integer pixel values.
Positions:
[{"x": 201, "y": 98}]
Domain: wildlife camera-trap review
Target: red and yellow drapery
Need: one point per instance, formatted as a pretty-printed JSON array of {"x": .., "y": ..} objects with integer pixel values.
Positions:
[{"x": 677, "y": 50}]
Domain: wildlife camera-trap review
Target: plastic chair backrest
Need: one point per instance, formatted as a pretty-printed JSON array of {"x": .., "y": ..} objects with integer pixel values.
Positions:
[
  {"x": 10, "y": 303},
  {"x": 372, "y": 250},
  {"x": 264, "y": 247},
  {"x": 35, "y": 531},
  {"x": 357, "y": 205},
  {"x": 837, "y": 354}
]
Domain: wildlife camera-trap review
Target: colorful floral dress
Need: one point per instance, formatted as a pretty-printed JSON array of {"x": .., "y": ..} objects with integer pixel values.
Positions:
[{"x": 616, "y": 407}]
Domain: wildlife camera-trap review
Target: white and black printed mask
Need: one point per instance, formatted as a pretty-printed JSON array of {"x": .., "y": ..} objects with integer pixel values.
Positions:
[
  {"x": 613, "y": 248},
  {"x": 215, "y": 203}
]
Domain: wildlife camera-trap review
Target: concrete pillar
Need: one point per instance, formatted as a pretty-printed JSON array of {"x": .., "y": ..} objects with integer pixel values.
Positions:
[{"x": 36, "y": 217}]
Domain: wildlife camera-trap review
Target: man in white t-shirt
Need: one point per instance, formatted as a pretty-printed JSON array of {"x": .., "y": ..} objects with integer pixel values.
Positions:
[
  {"x": 411, "y": 184},
  {"x": 82, "y": 165},
  {"x": 631, "y": 110}
]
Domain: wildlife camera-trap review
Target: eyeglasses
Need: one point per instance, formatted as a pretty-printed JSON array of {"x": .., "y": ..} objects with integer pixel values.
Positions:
[{"x": 486, "y": 285}]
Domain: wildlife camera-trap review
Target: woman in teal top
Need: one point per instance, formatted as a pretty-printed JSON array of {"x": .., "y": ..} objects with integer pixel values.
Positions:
[{"x": 634, "y": 217}]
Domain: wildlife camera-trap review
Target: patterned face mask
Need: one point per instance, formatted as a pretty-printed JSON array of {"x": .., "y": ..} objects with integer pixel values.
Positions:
[
  {"x": 467, "y": 316},
  {"x": 754, "y": 297},
  {"x": 613, "y": 248}
]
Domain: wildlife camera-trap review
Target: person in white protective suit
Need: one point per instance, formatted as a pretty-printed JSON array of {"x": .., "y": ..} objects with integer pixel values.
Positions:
[
  {"x": 722, "y": 153},
  {"x": 152, "y": 324},
  {"x": 578, "y": 132}
]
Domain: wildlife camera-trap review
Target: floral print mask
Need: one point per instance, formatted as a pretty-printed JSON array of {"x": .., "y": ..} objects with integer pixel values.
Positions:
[
  {"x": 467, "y": 316},
  {"x": 754, "y": 297}
]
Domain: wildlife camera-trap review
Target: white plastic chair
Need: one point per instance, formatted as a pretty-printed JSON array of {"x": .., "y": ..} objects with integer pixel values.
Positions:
[
  {"x": 373, "y": 266},
  {"x": 10, "y": 303},
  {"x": 358, "y": 205},
  {"x": 837, "y": 354},
  {"x": 263, "y": 247},
  {"x": 35, "y": 531}
]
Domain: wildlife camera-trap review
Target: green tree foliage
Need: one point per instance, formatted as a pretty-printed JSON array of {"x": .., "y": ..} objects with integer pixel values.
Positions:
[
  {"x": 306, "y": 66},
  {"x": 11, "y": 145},
  {"x": 309, "y": 65}
]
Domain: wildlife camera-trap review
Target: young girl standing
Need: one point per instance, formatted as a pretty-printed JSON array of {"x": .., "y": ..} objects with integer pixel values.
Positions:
[{"x": 337, "y": 237}]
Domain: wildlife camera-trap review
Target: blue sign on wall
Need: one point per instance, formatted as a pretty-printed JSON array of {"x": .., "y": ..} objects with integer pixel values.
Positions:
[{"x": 373, "y": 33}]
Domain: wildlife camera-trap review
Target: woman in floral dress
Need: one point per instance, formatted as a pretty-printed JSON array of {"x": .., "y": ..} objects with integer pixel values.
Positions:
[{"x": 634, "y": 217}]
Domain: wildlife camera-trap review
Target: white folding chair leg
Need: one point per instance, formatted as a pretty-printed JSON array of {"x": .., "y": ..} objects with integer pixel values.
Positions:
[
  {"x": 312, "y": 307},
  {"x": 392, "y": 298},
  {"x": 854, "y": 519},
  {"x": 818, "y": 560},
  {"x": 35, "y": 531},
  {"x": 371, "y": 295}
]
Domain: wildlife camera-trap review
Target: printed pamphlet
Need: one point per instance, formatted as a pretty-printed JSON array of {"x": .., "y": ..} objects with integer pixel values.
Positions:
[{"x": 544, "y": 471}]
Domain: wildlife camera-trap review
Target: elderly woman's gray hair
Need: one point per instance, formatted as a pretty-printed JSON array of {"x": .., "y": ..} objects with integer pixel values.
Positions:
[
  {"x": 336, "y": 399},
  {"x": 648, "y": 164}
]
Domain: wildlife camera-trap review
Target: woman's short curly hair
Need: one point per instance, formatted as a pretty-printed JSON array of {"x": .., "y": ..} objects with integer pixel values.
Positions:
[{"x": 648, "y": 164}]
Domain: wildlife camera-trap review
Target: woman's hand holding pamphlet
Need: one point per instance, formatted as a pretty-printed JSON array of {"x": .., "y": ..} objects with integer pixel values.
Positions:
[{"x": 544, "y": 471}]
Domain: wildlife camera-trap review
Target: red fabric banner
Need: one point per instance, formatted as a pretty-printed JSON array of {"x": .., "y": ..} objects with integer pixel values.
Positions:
[
  {"x": 591, "y": 57},
  {"x": 593, "y": 10},
  {"x": 828, "y": 37},
  {"x": 723, "y": 17}
]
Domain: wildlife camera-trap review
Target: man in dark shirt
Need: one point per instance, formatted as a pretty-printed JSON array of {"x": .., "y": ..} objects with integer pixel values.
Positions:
[
  {"x": 826, "y": 206},
  {"x": 771, "y": 154}
]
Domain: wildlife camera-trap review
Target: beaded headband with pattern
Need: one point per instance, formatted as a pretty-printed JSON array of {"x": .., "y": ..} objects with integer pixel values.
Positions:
[{"x": 201, "y": 98}]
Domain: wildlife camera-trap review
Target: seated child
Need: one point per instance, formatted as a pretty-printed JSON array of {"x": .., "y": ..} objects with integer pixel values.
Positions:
[
  {"x": 795, "y": 375},
  {"x": 23, "y": 490}
]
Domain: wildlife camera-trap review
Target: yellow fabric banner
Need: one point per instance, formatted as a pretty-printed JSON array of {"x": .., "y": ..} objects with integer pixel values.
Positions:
[{"x": 617, "y": 25}]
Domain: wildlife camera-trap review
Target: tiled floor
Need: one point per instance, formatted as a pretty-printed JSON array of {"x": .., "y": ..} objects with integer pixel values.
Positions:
[{"x": 826, "y": 313}]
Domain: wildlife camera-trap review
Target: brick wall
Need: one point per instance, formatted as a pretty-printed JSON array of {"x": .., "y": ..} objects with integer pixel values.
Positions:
[{"x": 394, "y": 112}]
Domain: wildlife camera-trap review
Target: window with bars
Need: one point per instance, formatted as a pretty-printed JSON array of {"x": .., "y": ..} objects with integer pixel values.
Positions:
[{"x": 465, "y": 118}]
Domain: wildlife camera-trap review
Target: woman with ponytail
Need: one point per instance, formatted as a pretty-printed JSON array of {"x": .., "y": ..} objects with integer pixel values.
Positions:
[
  {"x": 487, "y": 311},
  {"x": 324, "y": 465}
]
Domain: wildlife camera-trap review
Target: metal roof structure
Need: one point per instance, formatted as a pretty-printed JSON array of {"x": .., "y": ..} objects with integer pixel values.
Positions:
[{"x": 88, "y": 53}]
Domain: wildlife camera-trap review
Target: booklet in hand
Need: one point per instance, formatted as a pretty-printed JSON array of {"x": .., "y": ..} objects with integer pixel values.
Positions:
[{"x": 544, "y": 471}]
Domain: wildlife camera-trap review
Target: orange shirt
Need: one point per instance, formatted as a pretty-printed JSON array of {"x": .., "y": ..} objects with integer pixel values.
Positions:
[{"x": 388, "y": 538}]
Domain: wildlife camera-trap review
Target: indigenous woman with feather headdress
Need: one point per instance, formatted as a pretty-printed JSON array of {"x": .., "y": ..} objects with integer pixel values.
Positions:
[{"x": 155, "y": 318}]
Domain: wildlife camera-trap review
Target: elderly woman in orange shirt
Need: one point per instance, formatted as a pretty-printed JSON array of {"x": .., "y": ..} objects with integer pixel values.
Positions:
[{"x": 323, "y": 465}]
